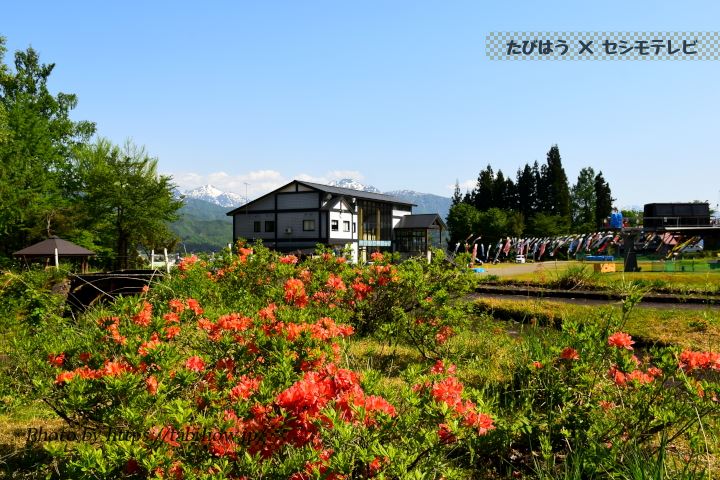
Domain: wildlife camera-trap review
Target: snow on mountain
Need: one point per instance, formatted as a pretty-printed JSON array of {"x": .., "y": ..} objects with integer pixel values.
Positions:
[
  {"x": 354, "y": 185},
  {"x": 211, "y": 194},
  {"x": 425, "y": 202}
]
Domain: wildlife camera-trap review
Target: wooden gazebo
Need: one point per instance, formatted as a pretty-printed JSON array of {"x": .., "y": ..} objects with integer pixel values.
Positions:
[{"x": 53, "y": 249}]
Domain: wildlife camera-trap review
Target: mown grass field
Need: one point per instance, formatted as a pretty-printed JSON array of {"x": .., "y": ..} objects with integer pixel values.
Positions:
[{"x": 702, "y": 281}]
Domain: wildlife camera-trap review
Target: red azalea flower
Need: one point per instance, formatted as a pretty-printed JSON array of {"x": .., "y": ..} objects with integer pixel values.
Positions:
[
  {"x": 144, "y": 317},
  {"x": 336, "y": 283},
  {"x": 289, "y": 259},
  {"x": 194, "y": 306},
  {"x": 172, "y": 332},
  {"x": 443, "y": 334},
  {"x": 56, "y": 360},
  {"x": 621, "y": 340},
  {"x": 176, "y": 305},
  {"x": 446, "y": 436},
  {"x": 151, "y": 385},
  {"x": 64, "y": 377},
  {"x": 195, "y": 364},
  {"x": 295, "y": 292},
  {"x": 569, "y": 354}
]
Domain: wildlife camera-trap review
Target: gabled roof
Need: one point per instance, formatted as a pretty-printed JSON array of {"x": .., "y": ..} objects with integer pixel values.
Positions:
[
  {"x": 46, "y": 248},
  {"x": 348, "y": 192},
  {"x": 422, "y": 220}
]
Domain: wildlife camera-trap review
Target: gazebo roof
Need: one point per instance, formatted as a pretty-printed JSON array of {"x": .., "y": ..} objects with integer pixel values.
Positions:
[{"x": 46, "y": 248}]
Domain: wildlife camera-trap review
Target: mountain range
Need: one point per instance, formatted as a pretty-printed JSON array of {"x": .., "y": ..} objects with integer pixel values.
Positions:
[{"x": 204, "y": 225}]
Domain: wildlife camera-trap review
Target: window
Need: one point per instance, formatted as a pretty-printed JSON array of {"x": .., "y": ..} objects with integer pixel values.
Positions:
[
  {"x": 334, "y": 225},
  {"x": 346, "y": 226},
  {"x": 354, "y": 227},
  {"x": 269, "y": 226},
  {"x": 256, "y": 226},
  {"x": 308, "y": 225}
]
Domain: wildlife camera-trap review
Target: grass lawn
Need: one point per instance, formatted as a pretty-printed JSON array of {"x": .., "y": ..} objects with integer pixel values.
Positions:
[{"x": 546, "y": 273}]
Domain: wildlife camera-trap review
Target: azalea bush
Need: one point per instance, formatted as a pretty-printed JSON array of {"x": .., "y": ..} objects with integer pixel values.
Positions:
[
  {"x": 241, "y": 366},
  {"x": 235, "y": 368},
  {"x": 590, "y": 400}
]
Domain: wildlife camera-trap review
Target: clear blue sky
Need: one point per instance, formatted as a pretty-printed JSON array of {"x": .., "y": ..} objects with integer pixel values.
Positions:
[{"x": 398, "y": 93}]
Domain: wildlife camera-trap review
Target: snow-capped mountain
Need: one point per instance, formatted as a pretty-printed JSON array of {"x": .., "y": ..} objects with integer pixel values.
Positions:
[
  {"x": 425, "y": 202},
  {"x": 353, "y": 184},
  {"x": 211, "y": 194}
]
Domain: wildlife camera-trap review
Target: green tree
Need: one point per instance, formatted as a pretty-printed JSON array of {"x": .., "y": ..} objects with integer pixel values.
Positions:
[
  {"x": 462, "y": 221},
  {"x": 457, "y": 195},
  {"x": 546, "y": 225},
  {"x": 483, "y": 195},
  {"x": 584, "y": 201},
  {"x": 128, "y": 203},
  {"x": 557, "y": 185},
  {"x": 604, "y": 200},
  {"x": 541, "y": 200},
  {"x": 526, "y": 191},
  {"x": 35, "y": 151}
]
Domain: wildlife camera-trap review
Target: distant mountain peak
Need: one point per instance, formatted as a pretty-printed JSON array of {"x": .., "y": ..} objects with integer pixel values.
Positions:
[
  {"x": 353, "y": 185},
  {"x": 214, "y": 195}
]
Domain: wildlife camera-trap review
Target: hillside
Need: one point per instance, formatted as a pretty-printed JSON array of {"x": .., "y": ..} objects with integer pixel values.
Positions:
[{"x": 203, "y": 226}]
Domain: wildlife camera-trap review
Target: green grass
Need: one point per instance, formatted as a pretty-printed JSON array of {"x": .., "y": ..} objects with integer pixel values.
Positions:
[
  {"x": 547, "y": 274},
  {"x": 696, "y": 329}
]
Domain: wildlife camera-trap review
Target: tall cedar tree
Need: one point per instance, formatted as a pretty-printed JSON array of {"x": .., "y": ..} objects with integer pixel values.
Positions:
[
  {"x": 526, "y": 191},
  {"x": 457, "y": 195},
  {"x": 557, "y": 184},
  {"x": 483, "y": 193},
  {"x": 603, "y": 200}
]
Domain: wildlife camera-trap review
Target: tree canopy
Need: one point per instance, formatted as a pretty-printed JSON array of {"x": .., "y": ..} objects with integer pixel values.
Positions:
[
  {"x": 539, "y": 201},
  {"x": 53, "y": 180}
]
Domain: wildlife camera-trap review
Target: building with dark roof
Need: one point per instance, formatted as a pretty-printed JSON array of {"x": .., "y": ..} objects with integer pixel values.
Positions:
[{"x": 298, "y": 216}]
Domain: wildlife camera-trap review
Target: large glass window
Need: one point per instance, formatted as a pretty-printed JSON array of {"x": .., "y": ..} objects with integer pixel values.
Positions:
[
  {"x": 374, "y": 220},
  {"x": 269, "y": 226},
  {"x": 256, "y": 226},
  {"x": 411, "y": 241}
]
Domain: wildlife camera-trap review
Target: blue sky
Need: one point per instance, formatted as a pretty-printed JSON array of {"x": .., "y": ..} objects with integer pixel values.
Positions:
[{"x": 398, "y": 94}]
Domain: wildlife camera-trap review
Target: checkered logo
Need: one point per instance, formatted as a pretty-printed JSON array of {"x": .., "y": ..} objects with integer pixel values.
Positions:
[{"x": 643, "y": 46}]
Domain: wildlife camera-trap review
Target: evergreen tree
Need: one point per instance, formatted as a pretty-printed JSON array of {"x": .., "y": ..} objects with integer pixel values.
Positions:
[
  {"x": 526, "y": 191},
  {"x": 499, "y": 191},
  {"x": 557, "y": 184},
  {"x": 483, "y": 193},
  {"x": 541, "y": 203},
  {"x": 457, "y": 196},
  {"x": 511, "y": 195},
  {"x": 604, "y": 200}
]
